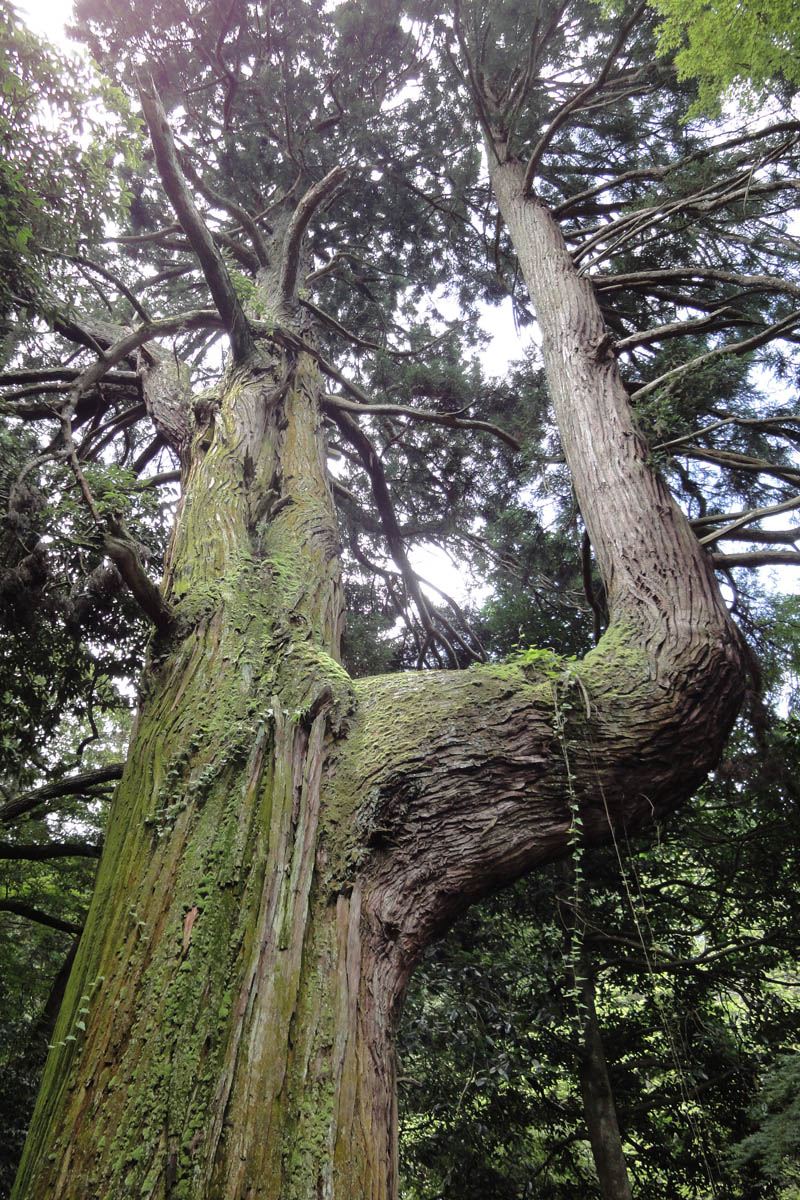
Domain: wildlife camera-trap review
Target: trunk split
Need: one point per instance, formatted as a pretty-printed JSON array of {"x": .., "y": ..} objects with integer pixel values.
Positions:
[{"x": 284, "y": 842}]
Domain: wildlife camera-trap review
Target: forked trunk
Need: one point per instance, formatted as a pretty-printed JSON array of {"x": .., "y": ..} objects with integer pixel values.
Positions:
[{"x": 284, "y": 842}]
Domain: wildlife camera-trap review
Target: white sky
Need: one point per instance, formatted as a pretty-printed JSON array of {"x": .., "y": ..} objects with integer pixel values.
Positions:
[{"x": 46, "y": 17}]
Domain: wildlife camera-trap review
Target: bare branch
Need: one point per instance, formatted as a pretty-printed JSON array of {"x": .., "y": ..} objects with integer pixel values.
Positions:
[
  {"x": 735, "y": 461},
  {"x": 711, "y": 322},
  {"x": 752, "y": 514},
  {"x": 766, "y": 283},
  {"x": 66, "y": 374},
  {"x": 734, "y": 526},
  {"x": 752, "y": 343},
  {"x": 374, "y": 468},
  {"x": 763, "y": 423},
  {"x": 214, "y": 269},
  {"x": 121, "y": 549},
  {"x": 306, "y": 207},
  {"x": 426, "y": 416},
  {"x": 34, "y": 853},
  {"x": 757, "y": 558},
  {"x": 247, "y": 222},
  {"x": 81, "y": 261},
  {"x": 35, "y": 914},
  {"x": 74, "y": 785}
]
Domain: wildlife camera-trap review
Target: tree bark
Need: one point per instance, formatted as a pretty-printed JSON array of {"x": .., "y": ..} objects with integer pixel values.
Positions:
[
  {"x": 285, "y": 842},
  {"x": 599, "y": 1109}
]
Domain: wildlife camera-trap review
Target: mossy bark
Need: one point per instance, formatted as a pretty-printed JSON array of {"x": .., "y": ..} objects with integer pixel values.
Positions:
[{"x": 284, "y": 842}]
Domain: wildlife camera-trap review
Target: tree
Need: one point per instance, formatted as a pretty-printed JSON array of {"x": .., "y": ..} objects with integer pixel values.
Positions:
[
  {"x": 745, "y": 44},
  {"x": 286, "y": 839}
]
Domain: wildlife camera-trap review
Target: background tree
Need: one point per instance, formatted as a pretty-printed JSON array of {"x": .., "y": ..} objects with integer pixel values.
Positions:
[
  {"x": 285, "y": 841},
  {"x": 750, "y": 46}
]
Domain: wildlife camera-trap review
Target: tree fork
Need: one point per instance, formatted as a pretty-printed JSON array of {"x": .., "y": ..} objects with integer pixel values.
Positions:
[{"x": 285, "y": 842}]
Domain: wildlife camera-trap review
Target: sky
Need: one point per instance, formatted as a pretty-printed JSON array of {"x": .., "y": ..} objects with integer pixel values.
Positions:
[{"x": 46, "y": 17}]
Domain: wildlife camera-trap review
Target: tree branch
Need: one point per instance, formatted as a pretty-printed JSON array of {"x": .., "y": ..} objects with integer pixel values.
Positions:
[
  {"x": 33, "y": 853},
  {"x": 121, "y": 549},
  {"x": 195, "y": 228},
  {"x": 374, "y": 468},
  {"x": 244, "y": 218},
  {"x": 74, "y": 785},
  {"x": 425, "y": 416},
  {"x": 746, "y": 516},
  {"x": 304, "y": 211},
  {"x": 752, "y": 343},
  {"x": 758, "y": 558},
  {"x": 35, "y": 914},
  {"x": 577, "y": 102}
]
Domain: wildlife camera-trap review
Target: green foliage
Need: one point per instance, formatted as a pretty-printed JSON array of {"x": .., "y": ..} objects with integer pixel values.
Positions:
[
  {"x": 748, "y": 45},
  {"x": 775, "y": 1146},
  {"x": 64, "y": 132}
]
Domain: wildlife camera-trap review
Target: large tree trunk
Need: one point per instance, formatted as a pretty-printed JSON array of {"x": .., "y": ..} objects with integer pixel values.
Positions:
[{"x": 284, "y": 842}]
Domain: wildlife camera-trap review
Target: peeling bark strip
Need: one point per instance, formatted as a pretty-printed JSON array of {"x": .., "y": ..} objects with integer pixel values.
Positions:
[{"x": 284, "y": 842}]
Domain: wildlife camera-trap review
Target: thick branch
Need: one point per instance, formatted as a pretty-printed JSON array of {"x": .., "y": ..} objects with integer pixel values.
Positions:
[
  {"x": 33, "y": 853},
  {"x": 244, "y": 218},
  {"x": 35, "y": 914},
  {"x": 306, "y": 207},
  {"x": 758, "y": 558},
  {"x": 121, "y": 549},
  {"x": 214, "y": 269},
  {"x": 703, "y": 275},
  {"x": 75, "y": 785}
]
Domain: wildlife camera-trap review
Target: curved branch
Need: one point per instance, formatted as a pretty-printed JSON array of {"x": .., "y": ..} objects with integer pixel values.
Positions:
[
  {"x": 121, "y": 549},
  {"x": 374, "y": 468},
  {"x": 747, "y": 515},
  {"x": 762, "y": 423},
  {"x": 195, "y": 228},
  {"x": 75, "y": 785},
  {"x": 424, "y": 416},
  {"x": 755, "y": 514},
  {"x": 306, "y": 207},
  {"x": 82, "y": 261},
  {"x": 31, "y": 913},
  {"x": 767, "y": 283}
]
